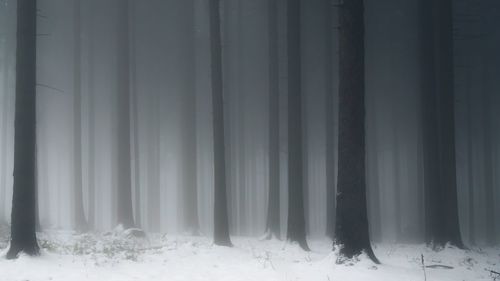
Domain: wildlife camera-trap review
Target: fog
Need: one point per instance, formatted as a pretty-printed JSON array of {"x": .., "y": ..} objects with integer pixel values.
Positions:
[{"x": 158, "y": 52}]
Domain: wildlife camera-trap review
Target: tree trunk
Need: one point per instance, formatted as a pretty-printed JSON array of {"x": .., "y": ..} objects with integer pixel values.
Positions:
[
  {"x": 221, "y": 224},
  {"x": 470, "y": 167},
  {"x": 80, "y": 220},
  {"x": 273, "y": 212},
  {"x": 91, "y": 122},
  {"x": 135, "y": 115},
  {"x": 23, "y": 233},
  {"x": 124, "y": 192},
  {"x": 330, "y": 129},
  {"x": 442, "y": 224},
  {"x": 296, "y": 231},
  {"x": 190, "y": 179},
  {"x": 352, "y": 232}
]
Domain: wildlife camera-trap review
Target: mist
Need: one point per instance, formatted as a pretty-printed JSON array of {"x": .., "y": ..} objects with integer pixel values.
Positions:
[{"x": 125, "y": 116}]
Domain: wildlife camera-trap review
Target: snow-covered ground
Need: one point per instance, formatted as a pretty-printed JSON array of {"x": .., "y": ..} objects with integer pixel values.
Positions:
[{"x": 116, "y": 256}]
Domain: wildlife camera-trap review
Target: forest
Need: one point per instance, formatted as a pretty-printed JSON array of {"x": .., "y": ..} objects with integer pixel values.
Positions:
[{"x": 249, "y": 140}]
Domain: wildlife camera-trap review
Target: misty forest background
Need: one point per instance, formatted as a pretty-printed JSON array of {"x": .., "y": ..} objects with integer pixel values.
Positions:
[{"x": 124, "y": 102}]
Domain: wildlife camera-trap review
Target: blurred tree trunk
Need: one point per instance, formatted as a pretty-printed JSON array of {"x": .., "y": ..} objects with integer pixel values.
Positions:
[
  {"x": 442, "y": 224},
  {"x": 124, "y": 192},
  {"x": 330, "y": 125},
  {"x": 352, "y": 232},
  {"x": 23, "y": 221},
  {"x": 79, "y": 215},
  {"x": 470, "y": 151},
  {"x": 135, "y": 113},
  {"x": 273, "y": 212},
  {"x": 488, "y": 155},
  {"x": 221, "y": 224},
  {"x": 5, "y": 129},
  {"x": 91, "y": 120},
  {"x": 296, "y": 231},
  {"x": 189, "y": 137}
]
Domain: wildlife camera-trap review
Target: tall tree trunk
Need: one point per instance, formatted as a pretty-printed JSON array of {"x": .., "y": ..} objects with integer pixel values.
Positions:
[
  {"x": 189, "y": 137},
  {"x": 23, "y": 221},
  {"x": 79, "y": 216},
  {"x": 330, "y": 125},
  {"x": 488, "y": 158},
  {"x": 91, "y": 120},
  {"x": 397, "y": 178},
  {"x": 153, "y": 165},
  {"x": 221, "y": 224},
  {"x": 442, "y": 224},
  {"x": 5, "y": 125},
  {"x": 124, "y": 195},
  {"x": 352, "y": 232},
  {"x": 135, "y": 109},
  {"x": 273, "y": 212},
  {"x": 296, "y": 231},
  {"x": 470, "y": 167}
]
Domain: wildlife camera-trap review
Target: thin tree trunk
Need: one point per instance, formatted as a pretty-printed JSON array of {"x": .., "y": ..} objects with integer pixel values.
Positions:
[
  {"x": 221, "y": 221},
  {"x": 330, "y": 123},
  {"x": 352, "y": 232},
  {"x": 273, "y": 212},
  {"x": 5, "y": 130},
  {"x": 470, "y": 169},
  {"x": 397, "y": 179},
  {"x": 23, "y": 221},
  {"x": 91, "y": 220},
  {"x": 135, "y": 114},
  {"x": 80, "y": 220},
  {"x": 190, "y": 152},
  {"x": 124, "y": 192}
]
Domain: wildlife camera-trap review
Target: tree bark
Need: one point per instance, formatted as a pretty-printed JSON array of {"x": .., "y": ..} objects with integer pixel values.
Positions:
[
  {"x": 23, "y": 221},
  {"x": 352, "y": 232}
]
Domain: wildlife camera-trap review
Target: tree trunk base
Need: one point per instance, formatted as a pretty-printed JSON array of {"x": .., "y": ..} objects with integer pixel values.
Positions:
[{"x": 31, "y": 249}]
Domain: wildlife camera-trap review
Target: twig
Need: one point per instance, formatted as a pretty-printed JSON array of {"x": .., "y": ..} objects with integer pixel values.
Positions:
[
  {"x": 423, "y": 266},
  {"x": 494, "y": 274}
]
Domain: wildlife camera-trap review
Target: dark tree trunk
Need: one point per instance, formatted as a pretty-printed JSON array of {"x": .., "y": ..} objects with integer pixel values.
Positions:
[
  {"x": 221, "y": 223},
  {"x": 352, "y": 232},
  {"x": 80, "y": 220},
  {"x": 296, "y": 231},
  {"x": 124, "y": 192},
  {"x": 442, "y": 224},
  {"x": 273, "y": 212},
  {"x": 23, "y": 233}
]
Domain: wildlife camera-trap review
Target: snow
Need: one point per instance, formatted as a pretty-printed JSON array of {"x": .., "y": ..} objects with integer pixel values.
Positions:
[{"x": 121, "y": 256}]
